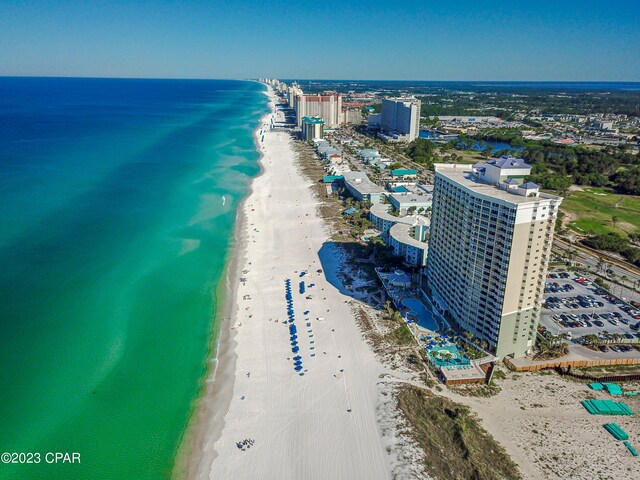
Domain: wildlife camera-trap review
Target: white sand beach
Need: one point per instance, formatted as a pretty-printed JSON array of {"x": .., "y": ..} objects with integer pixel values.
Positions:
[
  {"x": 539, "y": 420},
  {"x": 317, "y": 426}
]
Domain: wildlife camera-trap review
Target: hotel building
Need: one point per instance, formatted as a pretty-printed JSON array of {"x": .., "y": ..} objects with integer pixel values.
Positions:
[
  {"x": 489, "y": 247},
  {"x": 328, "y": 107},
  {"x": 401, "y": 116}
]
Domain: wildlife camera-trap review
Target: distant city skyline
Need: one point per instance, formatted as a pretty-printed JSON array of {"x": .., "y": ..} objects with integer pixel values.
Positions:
[{"x": 415, "y": 40}]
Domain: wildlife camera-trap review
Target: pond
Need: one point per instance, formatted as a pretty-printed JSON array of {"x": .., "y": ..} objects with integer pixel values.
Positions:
[{"x": 478, "y": 145}]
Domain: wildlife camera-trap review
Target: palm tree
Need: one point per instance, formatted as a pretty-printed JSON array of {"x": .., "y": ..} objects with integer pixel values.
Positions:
[
  {"x": 387, "y": 308},
  {"x": 614, "y": 220},
  {"x": 592, "y": 339}
]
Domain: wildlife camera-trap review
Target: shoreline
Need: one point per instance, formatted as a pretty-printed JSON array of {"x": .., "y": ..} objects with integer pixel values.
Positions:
[
  {"x": 319, "y": 419},
  {"x": 207, "y": 418}
]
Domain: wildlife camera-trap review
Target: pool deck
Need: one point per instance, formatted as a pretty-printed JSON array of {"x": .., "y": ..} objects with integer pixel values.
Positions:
[{"x": 471, "y": 373}]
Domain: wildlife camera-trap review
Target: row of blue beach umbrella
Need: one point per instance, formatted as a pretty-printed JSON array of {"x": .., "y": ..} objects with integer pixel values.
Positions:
[{"x": 293, "y": 331}]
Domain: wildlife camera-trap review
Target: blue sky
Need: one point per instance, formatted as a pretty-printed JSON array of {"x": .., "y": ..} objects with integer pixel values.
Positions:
[{"x": 347, "y": 39}]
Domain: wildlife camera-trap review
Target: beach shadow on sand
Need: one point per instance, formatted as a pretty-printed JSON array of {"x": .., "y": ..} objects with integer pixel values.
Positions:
[{"x": 333, "y": 256}]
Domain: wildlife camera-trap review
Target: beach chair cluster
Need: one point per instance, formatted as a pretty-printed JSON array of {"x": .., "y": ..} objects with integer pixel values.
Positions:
[
  {"x": 616, "y": 431},
  {"x": 606, "y": 407},
  {"x": 612, "y": 388},
  {"x": 619, "y": 434},
  {"x": 293, "y": 330},
  {"x": 610, "y": 407}
]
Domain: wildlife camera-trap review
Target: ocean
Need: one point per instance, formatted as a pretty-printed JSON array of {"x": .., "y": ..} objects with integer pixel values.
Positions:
[{"x": 114, "y": 237}]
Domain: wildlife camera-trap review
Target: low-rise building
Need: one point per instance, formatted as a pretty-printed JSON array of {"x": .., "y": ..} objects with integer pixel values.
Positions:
[
  {"x": 403, "y": 173},
  {"x": 403, "y": 202},
  {"x": 368, "y": 154},
  {"x": 410, "y": 242},
  {"x": 383, "y": 220},
  {"x": 407, "y": 235},
  {"x": 331, "y": 178},
  {"x": 362, "y": 188}
]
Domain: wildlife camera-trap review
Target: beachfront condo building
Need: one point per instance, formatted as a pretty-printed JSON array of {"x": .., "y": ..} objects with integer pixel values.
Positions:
[
  {"x": 489, "y": 247},
  {"x": 294, "y": 91},
  {"x": 401, "y": 117},
  {"x": 312, "y": 128},
  {"x": 328, "y": 107}
]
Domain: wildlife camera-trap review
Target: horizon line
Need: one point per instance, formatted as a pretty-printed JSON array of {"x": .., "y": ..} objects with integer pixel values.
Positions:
[{"x": 313, "y": 79}]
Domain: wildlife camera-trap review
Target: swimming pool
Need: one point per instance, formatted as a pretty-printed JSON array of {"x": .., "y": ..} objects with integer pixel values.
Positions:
[
  {"x": 419, "y": 311},
  {"x": 446, "y": 355}
]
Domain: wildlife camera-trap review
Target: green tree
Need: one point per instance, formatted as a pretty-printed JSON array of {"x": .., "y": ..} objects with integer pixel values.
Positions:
[
  {"x": 592, "y": 340},
  {"x": 487, "y": 152}
]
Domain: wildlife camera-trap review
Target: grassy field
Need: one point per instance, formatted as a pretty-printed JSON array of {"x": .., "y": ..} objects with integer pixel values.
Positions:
[
  {"x": 401, "y": 335},
  {"x": 468, "y": 156},
  {"x": 456, "y": 446},
  {"x": 592, "y": 211}
]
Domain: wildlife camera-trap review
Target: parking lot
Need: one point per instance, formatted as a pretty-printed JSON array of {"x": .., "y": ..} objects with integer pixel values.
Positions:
[{"x": 575, "y": 307}]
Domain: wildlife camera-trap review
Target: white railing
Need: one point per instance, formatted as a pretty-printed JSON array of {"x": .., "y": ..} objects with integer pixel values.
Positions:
[{"x": 481, "y": 361}]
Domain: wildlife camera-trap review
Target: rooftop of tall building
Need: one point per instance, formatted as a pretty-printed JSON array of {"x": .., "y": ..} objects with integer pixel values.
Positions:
[
  {"x": 465, "y": 175},
  {"x": 508, "y": 162},
  {"x": 405, "y": 100}
]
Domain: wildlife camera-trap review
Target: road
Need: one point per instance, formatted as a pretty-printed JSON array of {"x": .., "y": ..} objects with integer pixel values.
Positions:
[{"x": 592, "y": 261}]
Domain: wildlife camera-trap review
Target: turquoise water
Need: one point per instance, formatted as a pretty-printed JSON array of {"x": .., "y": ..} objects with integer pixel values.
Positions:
[
  {"x": 113, "y": 240},
  {"x": 456, "y": 356}
]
